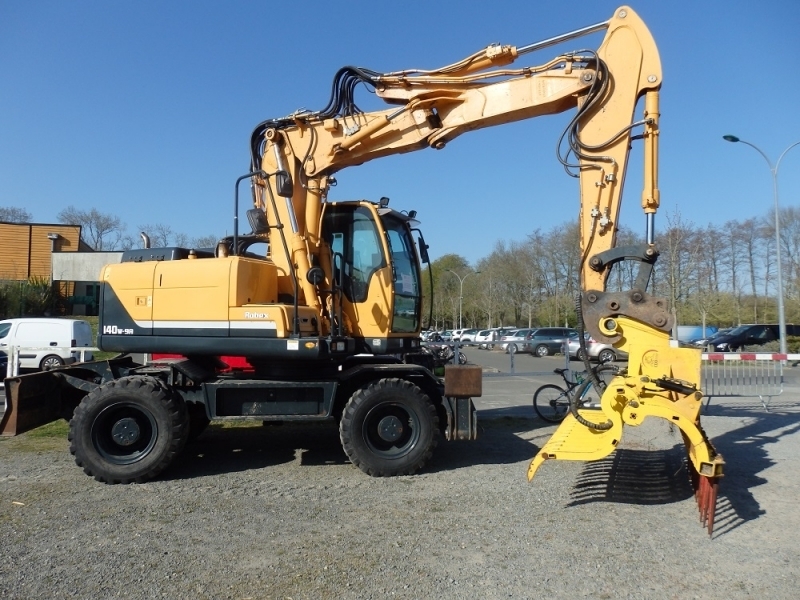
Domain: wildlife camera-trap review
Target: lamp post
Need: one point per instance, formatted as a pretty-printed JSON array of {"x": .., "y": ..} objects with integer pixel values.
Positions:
[
  {"x": 461, "y": 292},
  {"x": 774, "y": 171}
]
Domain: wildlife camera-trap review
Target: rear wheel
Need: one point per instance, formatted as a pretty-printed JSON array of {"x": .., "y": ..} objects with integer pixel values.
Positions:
[
  {"x": 542, "y": 350},
  {"x": 389, "y": 428},
  {"x": 551, "y": 403},
  {"x": 127, "y": 430},
  {"x": 50, "y": 361}
]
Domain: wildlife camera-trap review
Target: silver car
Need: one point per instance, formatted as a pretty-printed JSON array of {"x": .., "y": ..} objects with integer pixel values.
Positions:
[
  {"x": 514, "y": 339},
  {"x": 599, "y": 351}
]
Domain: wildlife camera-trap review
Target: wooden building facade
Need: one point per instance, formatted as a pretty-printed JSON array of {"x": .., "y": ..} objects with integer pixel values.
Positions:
[{"x": 26, "y": 249}]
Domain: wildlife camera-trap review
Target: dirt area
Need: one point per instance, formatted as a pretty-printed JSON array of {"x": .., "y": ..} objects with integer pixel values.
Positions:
[{"x": 278, "y": 512}]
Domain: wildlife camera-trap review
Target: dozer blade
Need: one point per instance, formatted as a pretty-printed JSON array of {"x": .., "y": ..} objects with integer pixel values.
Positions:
[{"x": 31, "y": 401}]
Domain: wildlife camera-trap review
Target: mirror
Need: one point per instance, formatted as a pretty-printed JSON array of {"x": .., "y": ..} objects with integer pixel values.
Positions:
[
  {"x": 423, "y": 250},
  {"x": 315, "y": 275},
  {"x": 283, "y": 184}
]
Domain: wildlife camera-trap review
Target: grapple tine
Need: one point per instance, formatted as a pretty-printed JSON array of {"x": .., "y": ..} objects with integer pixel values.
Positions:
[
  {"x": 712, "y": 504},
  {"x": 702, "y": 501}
]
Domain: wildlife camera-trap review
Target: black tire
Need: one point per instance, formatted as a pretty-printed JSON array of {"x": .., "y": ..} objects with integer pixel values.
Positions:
[
  {"x": 462, "y": 358},
  {"x": 542, "y": 350},
  {"x": 50, "y": 361},
  {"x": 389, "y": 428},
  {"x": 127, "y": 430},
  {"x": 512, "y": 348},
  {"x": 580, "y": 355},
  {"x": 606, "y": 355},
  {"x": 551, "y": 403}
]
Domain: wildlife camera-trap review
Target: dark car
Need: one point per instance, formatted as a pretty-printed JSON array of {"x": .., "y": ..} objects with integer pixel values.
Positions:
[
  {"x": 548, "y": 340},
  {"x": 748, "y": 335}
]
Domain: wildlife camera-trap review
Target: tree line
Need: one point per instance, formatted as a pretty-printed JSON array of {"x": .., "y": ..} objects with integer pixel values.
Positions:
[
  {"x": 103, "y": 231},
  {"x": 713, "y": 275}
]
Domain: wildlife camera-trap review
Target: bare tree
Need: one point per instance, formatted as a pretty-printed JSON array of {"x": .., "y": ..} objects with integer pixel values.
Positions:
[
  {"x": 205, "y": 241},
  {"x": 161, "y": 235},
  {"x": 99, "y": 230},
  {"x": 12, "y": 214},
  {"x": 678, "y": 261}
]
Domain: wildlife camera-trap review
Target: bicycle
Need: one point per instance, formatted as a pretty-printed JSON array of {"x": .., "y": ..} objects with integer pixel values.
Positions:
[{"x": 552, "y": 402}]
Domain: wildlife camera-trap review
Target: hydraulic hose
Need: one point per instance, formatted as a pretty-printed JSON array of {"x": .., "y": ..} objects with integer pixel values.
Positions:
[{"x": 574, "y": 400}]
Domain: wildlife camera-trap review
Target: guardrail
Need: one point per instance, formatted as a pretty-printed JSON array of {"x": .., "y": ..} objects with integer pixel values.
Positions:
[
  {"x": 740, "y": 374},
  {"x": 12, "y": 368}
]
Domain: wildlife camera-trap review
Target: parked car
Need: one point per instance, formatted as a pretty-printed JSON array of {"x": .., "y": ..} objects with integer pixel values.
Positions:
[
  {"x": 485, "y": 335},
  {"x": 456, "y": 335},
  {"x": 748, "y": 335},
  {"x": 468, "y": 335},
  {"x": 45, "y": 343},
  {"x": 599, "y": 351},
  {"x": 548, "y": 340},
  {"x": 514, "y": 339},
  {"x": 447, "y": 335},
  {"x": 703, "y": 342}
]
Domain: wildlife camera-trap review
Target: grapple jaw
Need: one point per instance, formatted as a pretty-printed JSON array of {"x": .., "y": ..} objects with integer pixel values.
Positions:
[{"x": 662, "y": 382}]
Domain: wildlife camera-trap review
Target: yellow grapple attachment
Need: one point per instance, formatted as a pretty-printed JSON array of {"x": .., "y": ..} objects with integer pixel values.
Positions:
[{"x": 663, "y": 382}]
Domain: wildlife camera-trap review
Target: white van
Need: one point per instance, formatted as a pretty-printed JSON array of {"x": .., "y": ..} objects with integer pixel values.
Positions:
[{"x": 45, "y": 343}]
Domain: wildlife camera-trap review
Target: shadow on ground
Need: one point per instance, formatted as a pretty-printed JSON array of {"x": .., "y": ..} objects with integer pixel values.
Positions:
[
  {"x": 230, "y": 449},
  {"x": 661, "y": 476},
  {"x": 635, "y": 477}
]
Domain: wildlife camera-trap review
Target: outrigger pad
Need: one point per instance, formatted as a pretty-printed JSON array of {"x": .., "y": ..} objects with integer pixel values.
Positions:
[{"x": 31, "y": 401}]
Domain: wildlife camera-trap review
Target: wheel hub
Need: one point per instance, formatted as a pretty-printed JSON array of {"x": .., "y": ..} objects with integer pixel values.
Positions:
[
  {"x": 390, "y": 428},
  {"x": 125, "y": 432}
]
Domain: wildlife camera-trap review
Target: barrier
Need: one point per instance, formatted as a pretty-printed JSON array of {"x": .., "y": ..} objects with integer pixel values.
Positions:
[
  {"x": 12, "y": 368},
  {"x": 744, "y": 374}
]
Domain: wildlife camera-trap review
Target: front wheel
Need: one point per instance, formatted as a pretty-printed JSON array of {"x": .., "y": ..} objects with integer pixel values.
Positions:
[
  {"x": 462, "y": 358},
  {"x": 127, "y": 430},
  {"x": 606, "y": 356},
  {"x": 389, "y": 428},
  {"x": 551, "y": 403}
]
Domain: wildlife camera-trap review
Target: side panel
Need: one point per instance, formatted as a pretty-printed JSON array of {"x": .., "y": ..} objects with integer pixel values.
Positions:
[
  {"x": 126, "y": 302},
  {"x": 190, "y": 297}
]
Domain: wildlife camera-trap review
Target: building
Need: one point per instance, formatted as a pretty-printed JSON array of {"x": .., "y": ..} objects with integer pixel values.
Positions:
[{"x": 55, "y": 253}]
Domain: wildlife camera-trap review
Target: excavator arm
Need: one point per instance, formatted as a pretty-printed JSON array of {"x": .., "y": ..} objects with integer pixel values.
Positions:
[
  {"x": 429, "y": 109},
  {"x": 433, "y": 107}
]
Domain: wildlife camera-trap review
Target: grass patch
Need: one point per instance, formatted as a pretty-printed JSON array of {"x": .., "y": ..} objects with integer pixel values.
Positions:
[
  {"x": 58, "y": 429},
  {"x": 50, "y": 437}
]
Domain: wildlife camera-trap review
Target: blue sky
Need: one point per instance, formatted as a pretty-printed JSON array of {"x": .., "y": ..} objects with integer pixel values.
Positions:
[{"x": 144, "y": 109}]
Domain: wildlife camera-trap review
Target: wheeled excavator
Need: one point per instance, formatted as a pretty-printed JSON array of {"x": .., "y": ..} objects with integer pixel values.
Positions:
[{"x": 328, "y": 317}]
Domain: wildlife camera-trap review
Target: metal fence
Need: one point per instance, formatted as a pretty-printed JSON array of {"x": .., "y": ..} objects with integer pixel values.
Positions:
[
  {"x": 744, "y": 375},
  {"x": 13, "y": 366}
]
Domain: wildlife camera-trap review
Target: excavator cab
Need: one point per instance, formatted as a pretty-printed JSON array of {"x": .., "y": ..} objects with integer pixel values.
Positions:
[{"x": 375, "y": 274}]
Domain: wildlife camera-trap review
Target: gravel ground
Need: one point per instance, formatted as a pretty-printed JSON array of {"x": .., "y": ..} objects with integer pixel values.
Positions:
[{"x": 278, "y": 512}]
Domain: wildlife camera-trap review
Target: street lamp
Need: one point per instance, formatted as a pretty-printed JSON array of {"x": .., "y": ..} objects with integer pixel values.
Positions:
[
  {"x": 461, "y": 292},
  {"x": 774, "y": 171}
]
